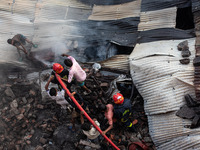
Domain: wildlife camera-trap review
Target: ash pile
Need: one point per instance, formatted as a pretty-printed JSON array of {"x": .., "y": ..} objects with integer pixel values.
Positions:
[{"x": 31, "y": 120}]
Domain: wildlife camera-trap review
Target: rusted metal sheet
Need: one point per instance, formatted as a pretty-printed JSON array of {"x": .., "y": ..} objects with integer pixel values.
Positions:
[
  {"x": 113, "y": 12},
  {"x": 158, "y": 19}
]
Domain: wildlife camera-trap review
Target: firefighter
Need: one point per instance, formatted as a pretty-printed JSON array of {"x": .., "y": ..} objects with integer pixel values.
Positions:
[
  {"x": 123, "y": 111},
  {"x": 63, "y": 73}
]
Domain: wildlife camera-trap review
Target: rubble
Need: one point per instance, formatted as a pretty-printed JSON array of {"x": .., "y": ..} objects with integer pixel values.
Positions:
[
  {"x": 86, "y": 143},
  {"x": 28, "y": 122},
  {"x": 185, "y": 52},
  {"x": 185, "y": 61},
  {"x": 183, "y": 45},
  {"x": 190, "y": 111}
]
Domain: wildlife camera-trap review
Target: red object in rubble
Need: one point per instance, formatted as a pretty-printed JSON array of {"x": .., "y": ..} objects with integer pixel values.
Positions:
[{"x": 137, "y": 146}]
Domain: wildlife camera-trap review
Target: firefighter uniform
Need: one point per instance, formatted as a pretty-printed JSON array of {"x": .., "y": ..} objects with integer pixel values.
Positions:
[{"x": 123, "y": 112}]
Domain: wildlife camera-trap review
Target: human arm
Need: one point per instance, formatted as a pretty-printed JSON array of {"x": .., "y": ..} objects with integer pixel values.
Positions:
[
  {"x": 65, "y": 55},
  {"x": 110, "y": 121},
  {"x": 48, "y": 82},
  {"x": 96, "y": 122},
  {"x": 64, "y": 79},
  {"x": 109, "y": 115},
  {"x": 81, "y": 117},
  {"x": 70, "y": 76},
  {"x": 23, "y": 49},
  {"x": 108, "y": 129},
  {"x": 27, "y": 40},
  {"x": 72, "y": 94}
]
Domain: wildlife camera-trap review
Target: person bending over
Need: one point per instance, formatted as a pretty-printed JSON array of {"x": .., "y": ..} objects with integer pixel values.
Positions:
[{"x": 75, "y": 71}]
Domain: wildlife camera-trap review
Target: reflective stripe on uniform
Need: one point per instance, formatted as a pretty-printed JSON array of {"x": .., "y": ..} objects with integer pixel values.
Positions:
[
  {"x": 122, "y": 120},
  {"x": 130, "y": 125},
  {"x": 126, "y": 111}
]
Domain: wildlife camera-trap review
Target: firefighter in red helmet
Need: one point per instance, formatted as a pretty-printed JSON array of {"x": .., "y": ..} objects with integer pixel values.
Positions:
[
  {"x": 63, "y": 73},
  {"x": 58, "y": 68},
  {"x": 123, "y": 110}
]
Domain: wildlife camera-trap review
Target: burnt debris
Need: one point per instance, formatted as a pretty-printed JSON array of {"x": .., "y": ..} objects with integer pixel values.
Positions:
[
  {"x": 185, "y": 52},
  {"x": 30, "y": 122},
  {"x": 191, "y": 110}
]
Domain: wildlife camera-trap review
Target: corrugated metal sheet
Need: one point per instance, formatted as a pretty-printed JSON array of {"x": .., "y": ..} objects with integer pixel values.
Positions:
[
  {"x": 16, "y": 17},
  {"x": 190, "y": 142},
  {"x": 104, "y": 2},
  {"x": 113, "y": 12},
  {"x": 152, "y": 5},
  {"x": 158, "y": 19},
  {"x": 71, "y": 3},
  {"x": 163, "y": 81},
  {"x": 164, "y": 34},
  {"x": 159, "y": 76},
  {"x": 118, "y": 62},
  {"x": 25, "y": 8},
  {"x": 56, "y": 11},
  {"x": 165, "y": 128},
  {"x": 43, "y": 22}
]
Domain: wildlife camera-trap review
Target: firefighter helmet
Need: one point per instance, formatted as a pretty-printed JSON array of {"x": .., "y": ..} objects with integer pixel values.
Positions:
[
  {"x": 58, "y": 68},
  {"x": 118, "y": 98}
]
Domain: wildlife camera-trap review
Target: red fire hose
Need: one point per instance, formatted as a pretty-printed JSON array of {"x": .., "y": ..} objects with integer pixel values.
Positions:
[{"x": 81, "y": 109}]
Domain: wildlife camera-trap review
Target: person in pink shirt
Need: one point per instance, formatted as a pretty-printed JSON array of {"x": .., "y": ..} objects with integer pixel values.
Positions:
[
  {"x": 75, "y": 71},
  {"x": 108, "y": 112}
]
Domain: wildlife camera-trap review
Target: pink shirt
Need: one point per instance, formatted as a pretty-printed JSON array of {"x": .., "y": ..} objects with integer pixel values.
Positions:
[
  {"x": 109, "y": 113},
  {"x": 76, "y": 71}
]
